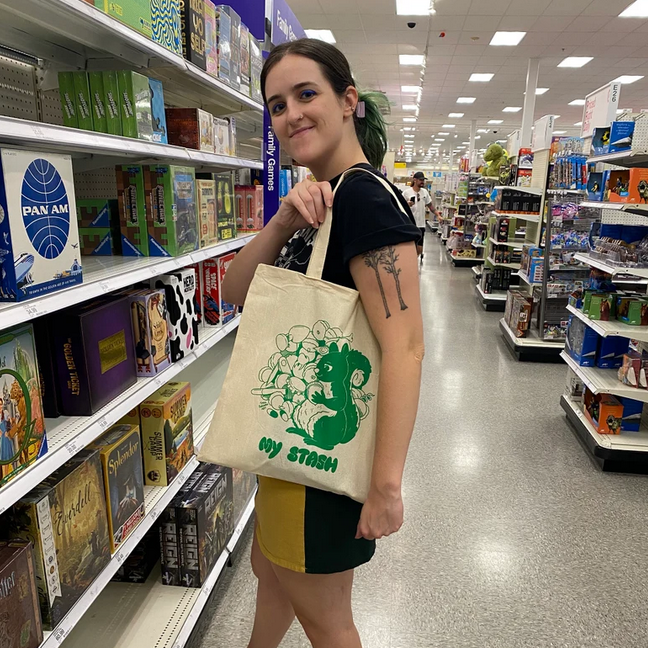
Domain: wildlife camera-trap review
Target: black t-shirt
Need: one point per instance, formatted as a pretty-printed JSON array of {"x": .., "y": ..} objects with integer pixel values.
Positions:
[{"x": 366, "y": 217}]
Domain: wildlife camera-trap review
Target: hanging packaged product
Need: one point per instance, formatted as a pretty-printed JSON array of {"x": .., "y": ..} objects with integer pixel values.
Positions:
[
  {"x": 151, "y": 332},
  {"x": 165, "y": 24},
  {"x": 39, "y": 237},
  {"x": 134, "y": 13},
  {"x": 192, "y": 25},
  {"x": 135, "y": 98},
  {"x": 132, "y": 210},
  {"x": 98, "y": 222}
]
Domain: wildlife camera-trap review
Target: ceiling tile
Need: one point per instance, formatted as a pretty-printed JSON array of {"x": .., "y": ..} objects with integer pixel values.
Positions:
[
  {"x": 562, "y": 7},
  {"x": 587, "y": 24},
  {"x": 526, "y": 8},
  {"x": 608, "y": 8}
]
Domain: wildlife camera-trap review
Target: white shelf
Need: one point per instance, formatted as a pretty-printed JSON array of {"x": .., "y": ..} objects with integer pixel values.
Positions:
[
  {"x": 74, "y": 33},
  {"x": 574, "y": 192},
  {"x": 514, "y": 266},
  {"x": 60, "y": 139},
  {"x": 531, "y": 190},
  {"x": 478, "y": 245},
  {"x": 627, "y": 159},
  {"x": 477, "y": 270},
  {"x": 518, "y": 245},
  {"x": 609, "y": 268},
  {"x": 105, "y": 274},
  {"x": 151, "y": 615},
  {"x": 629, "y": 441},
  {"x": 68, "y": 435},
  {"x": 614, "y": 327},
  {"x": 497, "y": 296},
  {"x": 604, "y": 381},
  {"x": 532, "y": 341},
  {"x": 641, "y": 210},
  {"x": 531, "y": 218},
  {"x": 527, "y": 279}
]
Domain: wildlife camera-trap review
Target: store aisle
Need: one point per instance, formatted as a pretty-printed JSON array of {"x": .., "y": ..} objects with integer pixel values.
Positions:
[{"x": 513, "y": 538}]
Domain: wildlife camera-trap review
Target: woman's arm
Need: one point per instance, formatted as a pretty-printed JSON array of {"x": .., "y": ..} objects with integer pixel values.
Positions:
[{"x": 388, "y": 282}]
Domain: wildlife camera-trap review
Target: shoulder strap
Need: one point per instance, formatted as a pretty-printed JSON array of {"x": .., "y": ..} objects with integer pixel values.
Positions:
[{"x": 320, "y": 247}]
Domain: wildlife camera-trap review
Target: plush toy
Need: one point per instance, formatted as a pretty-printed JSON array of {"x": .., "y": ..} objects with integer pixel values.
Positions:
[{"x": 496, "y": 157}]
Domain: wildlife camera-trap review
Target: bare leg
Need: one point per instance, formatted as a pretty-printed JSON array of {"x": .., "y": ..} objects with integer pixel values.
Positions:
[
  {"x": 274, "y": 613},
  {"x": 322, "y": 603}
]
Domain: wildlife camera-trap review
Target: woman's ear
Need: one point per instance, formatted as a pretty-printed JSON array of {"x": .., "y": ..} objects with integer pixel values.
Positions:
[{"x": 350, "y": 101}]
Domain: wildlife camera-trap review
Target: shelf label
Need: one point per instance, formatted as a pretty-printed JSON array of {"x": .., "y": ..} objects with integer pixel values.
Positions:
[
  {"x": 38, "y": 131},
  {"x": 73, "y": 447},
  {"x": 33, "y": 310},
  {"x": 103, "y": 423},
  {"x": 105, "y": 286},
  {"x": 120, "y": 556},
  {"x": 59, "y": 635}
]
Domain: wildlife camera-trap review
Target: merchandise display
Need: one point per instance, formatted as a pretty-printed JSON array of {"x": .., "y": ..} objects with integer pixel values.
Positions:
[
  {"x": 131, "y": 191},
  {"x": 136, "y": 105},
  {"x": 99, "y": 230},
  {"x": 151, "y": 332},
  {"x": 134, "y": 13},
  {"x": 192, "y": 25},
  {"x": 191, "y": 127}
]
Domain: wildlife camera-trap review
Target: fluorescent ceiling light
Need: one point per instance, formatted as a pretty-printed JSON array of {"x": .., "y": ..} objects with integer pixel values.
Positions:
[
  {"x": 448, "y": 126},
  {"x": 409, "y": 136},
  {"x": 410, "y": 106},
  {"x": 512, "y": 109},
  {"x": 409, "y": 120},
  {"x": 456, "y": 115},
  {"x": 638, "y": 9},
  {"x": 444, "y": 133},
  {"x": 411, "y": 89},
  {"x": 440, "y": 139},
  {"x": 495, "y": 121},
  {"x": 466, "y": 100},
  {"x": 559, "y": 132},
  {"x": 580, "y": 123},
  {"x": 575, "y": 61},
  {"x": 408, "y": 128},
  {"x": 627, "y": 78},
  {"x": 478, "y": 137},
  {"x": 481, "y": 78},
  {"x": 483, "y": 130},
  {"x": 507, "y": 38},
  {"x": 413, "y": 7},
  {"x": 411, "y": 59},
  {"x": 556, "y": 117},
  {"x": 541, "y": 91},
  {"x": 577, "y": 102},
  {"x": 325, "y": 35}
]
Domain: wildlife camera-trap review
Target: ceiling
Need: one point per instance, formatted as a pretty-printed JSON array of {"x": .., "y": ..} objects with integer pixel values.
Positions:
[{"x": 372, "y": 36}]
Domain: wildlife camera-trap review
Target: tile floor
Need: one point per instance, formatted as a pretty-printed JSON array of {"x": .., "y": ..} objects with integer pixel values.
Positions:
[{"x": 513, "y": 538}]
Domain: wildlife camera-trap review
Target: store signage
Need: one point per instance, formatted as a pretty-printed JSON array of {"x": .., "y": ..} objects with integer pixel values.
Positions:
[
  {"x": 253, "y": 13},
  {"x": 600, "y": 108},
  {"x": 285, "y": 26},
  {"x": 272, "y": 165},
  {"x": 436, "y": 174},
  {"x": 542, "y": 133},
  {"x": 400, "y": 165}
]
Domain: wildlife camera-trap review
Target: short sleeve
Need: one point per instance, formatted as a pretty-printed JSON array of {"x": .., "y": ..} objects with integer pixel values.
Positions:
[{"x": 366, "y": 216}]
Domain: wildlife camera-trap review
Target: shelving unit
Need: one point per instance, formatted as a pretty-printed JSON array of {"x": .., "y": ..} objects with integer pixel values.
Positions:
[
  {"x": 494, "y": 301},
  {"x": 531, "y": 348},
  {"x": 518, "y": 245},
  {"x": 613, "y": 327},
  {"x": 497, "y": 264},
  {"x": 531, "y": 218},
  {"x": 609, "y": 268}
]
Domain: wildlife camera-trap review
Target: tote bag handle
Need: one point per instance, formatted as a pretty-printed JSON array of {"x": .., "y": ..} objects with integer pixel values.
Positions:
[{"x": 320, "y": 247}]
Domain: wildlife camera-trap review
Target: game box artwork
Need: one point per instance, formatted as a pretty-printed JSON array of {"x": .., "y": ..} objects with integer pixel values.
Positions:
[
  {"x": 225, "y": 205},
  {"x": 158, "y": 116},
  {"x": 206, "y": 195},
  {"x": 20, "y": 622},
  {"x": 192, "y": 25},
  {"x": 210, "y": 293},
  {"x": 64, "y": 518},
  {"x": 121, "y": 458},
  {"x": 206, "y": 522},
  {"x": 22, "y": 427},
  {"x": 243, "y": 485},
  {"x": 165, "y": 17},
  {"x": 227, "y": 310},
  {"x": 151, "y": 332},
  {"x": 99, "y": 227},
  {"x": 172, "y": 217},
  {"x": 132, "y": 210},
  {"x": 191, "y": 127},
  {"x": 39, "y": 238},
  {"x": 135, "y": 100},
  {"x": 167, "y": 433}
]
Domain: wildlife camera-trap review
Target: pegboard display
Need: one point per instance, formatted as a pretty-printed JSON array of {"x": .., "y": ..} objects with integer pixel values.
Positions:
[
  {"x": 51, "y": 107},
  {"x": 617, "y": 217},
  {"x": 96, "y": 184},
  {"x": 17, "y": 89}
]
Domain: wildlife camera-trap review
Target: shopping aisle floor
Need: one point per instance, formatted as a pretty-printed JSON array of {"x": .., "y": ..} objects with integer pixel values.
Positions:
[{"x": 512, "y": 537}]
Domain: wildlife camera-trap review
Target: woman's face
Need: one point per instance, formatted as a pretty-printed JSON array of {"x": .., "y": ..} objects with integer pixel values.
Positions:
[{"x": 307, "y": 115}]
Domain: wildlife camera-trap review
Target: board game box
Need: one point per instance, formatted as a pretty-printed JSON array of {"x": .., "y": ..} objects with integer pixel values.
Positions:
[
  {"x": 120, "y": 450},
  {"x": 224, "y": 33},
  {"x": 225, "y": 205},
  {"x": 221, "y": 136},
  {"x": 196, "y": 267},
  {"x": 44, "y": 338},
  {"x": 167, "y": 433},
  {"x": 68, "y": 105},
  {"x": 98, "y": 222},
  {"x": 245, "y": 60},
  {"x": 151, "y": 332},
  {"x": 191, "y": 127},
  {"x": 112, "y": 102},
  {"x": 227, "y": 310},
  {"x": 206, "y": 520},
  {"x": 211, "y": 38},
  {"x": 20, "y": 622},
  {"x": 243, "y": 485},
  {"x": 141, "y": 561},
  {"x": 82, "y": 100},
  {"x": 65, "y": 519},
  {"x": 132, "y": 210},
  {"x": 135, "y": 102},
  {"x": 235, "y": 44},
  {"x": 210, "y": 292},
  {"x": 97, "y": 102},
  {"x": 192, "y": 25},
  {"x": 206, "y": 198},
  {"x": 134, "y": 13},
  {"x": 171, "y": 208},
  {"x": 158, "y": 116},
  {"x": 23, "y": 439},
  {"x": 94, "y": 352},
  {"x": 165, "y": 23},
  {"x": 256, "y": 65},
  {"x": 39, "y": 237},
  {"x": 131, "y": 418},
  {"x": 180, "y": 288}
]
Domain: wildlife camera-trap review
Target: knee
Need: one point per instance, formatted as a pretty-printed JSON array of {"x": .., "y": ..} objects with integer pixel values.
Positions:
[{"x": 322, "y": 632}]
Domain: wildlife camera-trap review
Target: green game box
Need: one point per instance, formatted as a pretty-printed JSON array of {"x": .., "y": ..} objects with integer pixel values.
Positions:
[
  {"x": 132, "y": 210},
  {"x": 135, "y": 100},
  {"x": 68, "y": 105},
  {"x": 97, "y": 101},
  {"x": 134, "y": 13},
  {"x": 112, "y": 103},
  {"x": 82, "y": 100}
]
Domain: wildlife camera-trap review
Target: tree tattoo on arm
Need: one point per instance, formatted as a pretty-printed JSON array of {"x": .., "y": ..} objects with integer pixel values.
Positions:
[{"x": 385, "y": 257}]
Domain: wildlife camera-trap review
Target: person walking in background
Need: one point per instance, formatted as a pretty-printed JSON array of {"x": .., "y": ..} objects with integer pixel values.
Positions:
[{"x": 419, "y": 200}]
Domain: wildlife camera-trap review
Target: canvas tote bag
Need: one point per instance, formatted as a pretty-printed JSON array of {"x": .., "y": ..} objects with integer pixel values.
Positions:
[{"x": 299, "y": 399}]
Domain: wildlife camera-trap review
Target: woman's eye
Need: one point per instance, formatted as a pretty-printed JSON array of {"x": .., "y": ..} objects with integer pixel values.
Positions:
[
  {"x": 277, "y": 108},
  {"x": 308, "y": 94}
]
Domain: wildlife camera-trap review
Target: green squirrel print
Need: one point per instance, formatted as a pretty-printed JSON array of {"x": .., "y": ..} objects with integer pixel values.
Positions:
[{"x": 315, "y": 383}]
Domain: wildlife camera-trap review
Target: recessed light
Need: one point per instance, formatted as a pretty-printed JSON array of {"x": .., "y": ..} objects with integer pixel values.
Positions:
[
  {"x": 512, "y": 109},
  {"x": 440, "y": 139},
  {"x": 541, "y": 91},
  {"x": 495, "y": 121},
  {"x": 410, "y": 107},
  {"x": 409, "y": 136},
  {"x": 575, "y": 61},
  {"x": 481, "y": 78},
  {"x": 408, "y": 128},
  {"x": 507, "y": 38},
  {"x": 407, "y": 88},
  {"x": 325, "y": 35},
  {"x": 622, "y": 110},
  {"x": 580, "y": 123},
  {"x": 577, "y": 102},
  {"x": 466, "y": 100},
  {"x": 483, "y": 130},
  {"x": 559, "y": 132},
  {"x": 465, "y": 142},
  {"x": 638, "y": 9},
  {"x": 413, "y": 7},
  {"x": 411, "y": 59},
  {"x": 448, "y": 126},
  {"x": 444, "y": 133},
  {"x": 409, "y": 120},
  {"x": 478, "y": 137},
  {"x": 456, "y": 115},
  {"x": 627, "y": 78}
]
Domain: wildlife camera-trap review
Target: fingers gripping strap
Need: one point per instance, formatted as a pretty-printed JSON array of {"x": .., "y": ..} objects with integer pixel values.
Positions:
[{"x": 320, "y": 246}]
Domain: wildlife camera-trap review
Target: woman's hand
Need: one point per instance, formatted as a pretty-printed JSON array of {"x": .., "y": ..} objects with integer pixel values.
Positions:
[
  {"x": 305, "y": 206},
  {"x": 382, "y": 515}
]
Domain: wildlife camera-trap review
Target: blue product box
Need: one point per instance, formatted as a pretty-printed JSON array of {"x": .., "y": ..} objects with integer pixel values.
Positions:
[
  {"x": 621, "y": 136},
  {"x": 601, "y": 141},
  {"x": 611, "y": 352},
  {"x": 157, "y": 112},
  {"x": 285, "y": 182},
  {"x": 595, "y": 186},
  {"x": 536, "y": 270},
  {"x": 632, "y": 411},
  {"x": 582, "y": 342}
]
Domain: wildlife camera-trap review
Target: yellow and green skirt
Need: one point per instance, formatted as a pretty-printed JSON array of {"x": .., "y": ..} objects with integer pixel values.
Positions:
[{"x": 309, "y": 530}]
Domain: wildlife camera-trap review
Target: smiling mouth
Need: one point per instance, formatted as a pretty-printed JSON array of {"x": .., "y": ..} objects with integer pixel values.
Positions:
[{"x": 301, "y": 131}]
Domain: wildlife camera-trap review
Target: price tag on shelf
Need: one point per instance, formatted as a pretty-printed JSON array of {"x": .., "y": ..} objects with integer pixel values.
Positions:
[
  {"x": 104, "y": 286},
  {"x": 120, "y": 556},
  {"x": 73, "y": 447},
  {"x": 103, "y": 423},
  {"x": 34, "y": 310},
  {"x": 154, "y": 512},
  {"x": 59, "y": 634},
  {"x": 38, "y": 132}
]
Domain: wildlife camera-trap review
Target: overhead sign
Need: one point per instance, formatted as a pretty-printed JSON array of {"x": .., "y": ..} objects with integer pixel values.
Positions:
[
  {"x": 400, "y": 165},
  {"x": 436, "y": 174},
  {"x": 600, "y": 108},
  {"x": 542, "y": 133},
  {"x": 285, "y": 26}
]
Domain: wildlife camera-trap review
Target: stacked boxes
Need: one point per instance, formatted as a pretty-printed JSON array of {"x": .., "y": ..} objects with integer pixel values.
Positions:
[
  {"x": 132, "y": 210},
  {"x": 192, "y": 24},
  {"x": 136, "y": 114},
  {"x": 112, "y": 102},
  {"x": 99, "y": 227},
  {"x": 151, "y": 332}
]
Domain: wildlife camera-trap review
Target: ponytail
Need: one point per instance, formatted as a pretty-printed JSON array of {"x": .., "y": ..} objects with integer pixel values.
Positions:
[{"x": 371, "y": 129}]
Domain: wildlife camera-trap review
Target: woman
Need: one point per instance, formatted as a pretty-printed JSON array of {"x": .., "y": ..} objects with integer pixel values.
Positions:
[{"x": 308, "y": 542}]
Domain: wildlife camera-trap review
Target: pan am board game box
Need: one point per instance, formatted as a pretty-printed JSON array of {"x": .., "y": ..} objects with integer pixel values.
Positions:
[
  {"x": 39, "y": 238},
  {"x": 151, "y": 332},
  {"x": 20, "y": 622},
  {"x": 95, "y": 358},
  {"x": 120, "y": 450},
  {"x": 167, "y": 433},
  {"x": 65, "y": 519},
  {"x": 22, "y": 427}
]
